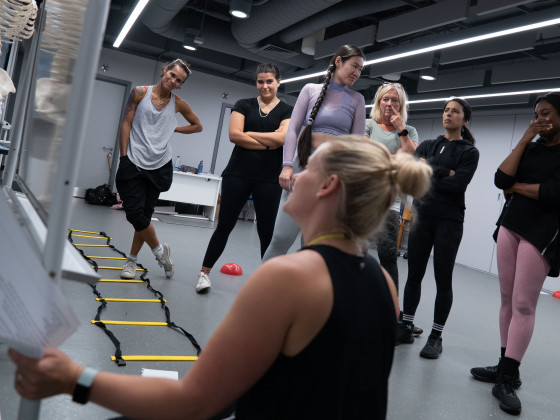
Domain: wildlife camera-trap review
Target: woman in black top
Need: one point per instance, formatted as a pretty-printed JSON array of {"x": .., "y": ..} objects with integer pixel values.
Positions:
[
  {"x": 257, "y": 127},
  {"x": 309, "y": 336},
  {"x": 527, "y": 242},
  {"x": 439, "y": 221}
]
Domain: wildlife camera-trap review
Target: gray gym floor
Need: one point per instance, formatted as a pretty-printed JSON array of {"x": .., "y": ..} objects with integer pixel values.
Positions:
[{"x": 419, "y": 388}]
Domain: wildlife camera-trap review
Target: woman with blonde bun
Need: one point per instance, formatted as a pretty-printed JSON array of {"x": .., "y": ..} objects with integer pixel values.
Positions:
[{"x": 327, "y": 305}]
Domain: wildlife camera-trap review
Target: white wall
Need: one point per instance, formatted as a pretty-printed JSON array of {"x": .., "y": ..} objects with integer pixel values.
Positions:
[{"x": 202, "y": 91}]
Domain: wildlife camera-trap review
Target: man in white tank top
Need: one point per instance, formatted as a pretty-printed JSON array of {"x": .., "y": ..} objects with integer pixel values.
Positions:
[{"x": 145, "y": 167}]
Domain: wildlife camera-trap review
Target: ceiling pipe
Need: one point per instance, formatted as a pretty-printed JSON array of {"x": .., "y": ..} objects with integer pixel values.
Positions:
[
  {"x": 339, "y": 13},
  {"x": 164, "y": 17},
  {"x": 158, "y": 15},
  {"x": 273, "y": 17}
]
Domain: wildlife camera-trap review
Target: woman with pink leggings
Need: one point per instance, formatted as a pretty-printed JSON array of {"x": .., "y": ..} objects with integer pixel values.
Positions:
[{"x": 528, "y": 243}]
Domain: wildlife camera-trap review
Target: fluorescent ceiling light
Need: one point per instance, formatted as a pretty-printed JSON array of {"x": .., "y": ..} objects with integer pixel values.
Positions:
[
  {"x": 240, "y": 8},
  {"x": 307, "y": 76},
  {"x": 131, "y": 19},
  {"x": 239, "y": 14},
  {"x": 427, "y": 77},
  {"x": 189, "y": 42},
  {"x": 445, "y": 45},
  {"x": 485, "y": 95}
]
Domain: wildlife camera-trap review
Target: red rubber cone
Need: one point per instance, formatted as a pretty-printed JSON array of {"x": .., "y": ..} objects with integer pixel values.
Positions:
[{"x": 232, "y": 269}]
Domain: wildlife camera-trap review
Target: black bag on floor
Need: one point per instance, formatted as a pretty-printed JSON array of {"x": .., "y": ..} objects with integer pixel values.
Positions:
[{"x": 101, "y": 195}]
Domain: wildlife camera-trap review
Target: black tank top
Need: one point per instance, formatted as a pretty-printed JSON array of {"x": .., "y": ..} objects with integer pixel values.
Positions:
[{"x": 343, "y": 372}]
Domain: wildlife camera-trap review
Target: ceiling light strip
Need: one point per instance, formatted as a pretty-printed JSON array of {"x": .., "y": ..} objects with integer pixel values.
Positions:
[
  {"x": 485, "y": 95},
  {"x": 445, "y": 45},
  {"x": 131, "y": 19}
]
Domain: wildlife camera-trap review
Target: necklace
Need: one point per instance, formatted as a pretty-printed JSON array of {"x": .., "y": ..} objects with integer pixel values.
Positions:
[
  {"x": 273, "y": 103},
  {"x": 328, "y": 236}
]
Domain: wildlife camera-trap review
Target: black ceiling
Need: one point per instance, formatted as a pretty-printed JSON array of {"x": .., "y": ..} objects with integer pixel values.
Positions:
[{"x": 273, "y": 33}]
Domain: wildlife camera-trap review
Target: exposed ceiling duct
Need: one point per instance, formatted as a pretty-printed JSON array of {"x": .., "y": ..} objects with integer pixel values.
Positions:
[
  {"x": 341, "y": 12},
  {"x": 168, "y": 22},
  {"x": 387, "y": 31},
  {"x": 274, "y": 17},
  {"x": 158, "y": 15}
]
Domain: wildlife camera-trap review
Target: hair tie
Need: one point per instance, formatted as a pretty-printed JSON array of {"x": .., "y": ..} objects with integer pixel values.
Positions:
[{"x": 310, "y": 121}]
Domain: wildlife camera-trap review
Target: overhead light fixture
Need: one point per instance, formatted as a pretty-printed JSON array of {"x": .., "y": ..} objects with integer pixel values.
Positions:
[
  {"x": 485, "y": 95},
  {"x": 189, "y": 42},
  {"x": 193, "y": 37},
  {"x": 428, "y": 74},
  {"x": 130, "y": 21},
  {"x": 437, "y": 47},
  {"x": 240, "y": 8}
]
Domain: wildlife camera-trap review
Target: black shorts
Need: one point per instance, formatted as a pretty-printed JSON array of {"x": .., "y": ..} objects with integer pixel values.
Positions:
[{"x": 139, "y": 190}]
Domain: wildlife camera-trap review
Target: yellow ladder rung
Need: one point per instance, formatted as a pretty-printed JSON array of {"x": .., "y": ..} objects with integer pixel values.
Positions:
[
  {"x": 88, "y": 245},
  {"x": 94, "y": 237},
  {"x": 136, "y": 358},
  {"x": 105, "y": 267},
  {"x": 122, "y": 281},
  {"x": 84, "y": 231},
  {"x": 147, "y": 323},
  {"x": 106, "y": 258},
  {"x": 130, "y": 300}
]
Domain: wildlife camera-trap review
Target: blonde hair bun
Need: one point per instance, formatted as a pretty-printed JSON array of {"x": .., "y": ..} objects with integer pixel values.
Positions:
[
  {"x": 412, "y": 176},
  {"x": 370, "y": 180}
]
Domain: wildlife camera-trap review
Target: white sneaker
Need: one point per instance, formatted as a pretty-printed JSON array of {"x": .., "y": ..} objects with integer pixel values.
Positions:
[
  {"x": 129, "y": 269},
  {"x": 165, "y": 261},
  {"x": 203, "y": 282}
]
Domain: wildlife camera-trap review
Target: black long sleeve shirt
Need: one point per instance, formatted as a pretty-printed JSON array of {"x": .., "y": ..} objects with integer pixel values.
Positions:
[{"x": 446, "y": 197}]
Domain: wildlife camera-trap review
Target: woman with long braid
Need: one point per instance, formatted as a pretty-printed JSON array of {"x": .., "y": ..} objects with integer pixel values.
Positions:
[{"x": 323, "y": 111}]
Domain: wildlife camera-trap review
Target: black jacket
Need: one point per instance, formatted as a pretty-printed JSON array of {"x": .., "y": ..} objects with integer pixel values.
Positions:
[
  {"x": 537, "y": 221},
  {"x": 446, "y": 198}
]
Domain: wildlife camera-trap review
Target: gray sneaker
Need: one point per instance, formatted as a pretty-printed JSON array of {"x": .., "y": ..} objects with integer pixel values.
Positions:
[
  {"x": 129, "y": 269},
  {"x": 165, "y": 261},
  {"x": 202, "y": 282}
]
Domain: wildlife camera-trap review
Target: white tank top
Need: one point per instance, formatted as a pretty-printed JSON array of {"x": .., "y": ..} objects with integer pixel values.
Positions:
[{"x": 148, "y": 147}]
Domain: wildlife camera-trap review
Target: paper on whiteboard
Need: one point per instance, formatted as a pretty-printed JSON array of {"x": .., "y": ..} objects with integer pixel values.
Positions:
[
  {"x": 155, "y": 373},
  {"x": 33, "y": 311}
]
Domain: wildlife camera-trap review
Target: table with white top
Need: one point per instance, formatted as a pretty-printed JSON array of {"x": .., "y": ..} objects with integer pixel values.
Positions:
[{"x": 200, "y": 189}]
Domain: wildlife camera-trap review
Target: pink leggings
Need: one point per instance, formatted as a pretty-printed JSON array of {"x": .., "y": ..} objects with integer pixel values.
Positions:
[{"x": 522, "y": 271}]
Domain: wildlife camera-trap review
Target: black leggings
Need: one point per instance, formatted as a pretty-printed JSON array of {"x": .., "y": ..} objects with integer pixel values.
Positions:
[
  {"x": 386, "y": 241},
  {"x": 235, "y": 192},
  {"x": 444, "y": 236}
]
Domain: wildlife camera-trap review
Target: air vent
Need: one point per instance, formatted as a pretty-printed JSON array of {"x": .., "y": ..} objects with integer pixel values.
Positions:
[{"x": 273, "y": 51}]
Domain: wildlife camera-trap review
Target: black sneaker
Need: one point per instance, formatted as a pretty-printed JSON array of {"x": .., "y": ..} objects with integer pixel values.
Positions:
[
  {"x": 504, "y": 390},
  {"x": 490, "y": 374},
  {"x": 404, "y": 335},
  {"x": 432, "y": 349},
  {"x": 417, "y": 331}
]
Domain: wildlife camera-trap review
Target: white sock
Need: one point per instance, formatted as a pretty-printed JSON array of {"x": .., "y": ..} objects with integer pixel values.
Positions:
[
  {"x": 132, "y": 257},
  {"x": 158, "y": 251}
]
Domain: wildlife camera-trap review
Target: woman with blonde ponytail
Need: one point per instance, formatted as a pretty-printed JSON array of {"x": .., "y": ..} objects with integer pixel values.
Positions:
[
  {"x": 327, "y": 305},
  {"x": 323, "y": 111}
]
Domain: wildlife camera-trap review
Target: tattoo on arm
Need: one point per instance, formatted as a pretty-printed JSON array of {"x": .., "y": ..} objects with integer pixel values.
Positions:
[{"x": 134, "y": 99}]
